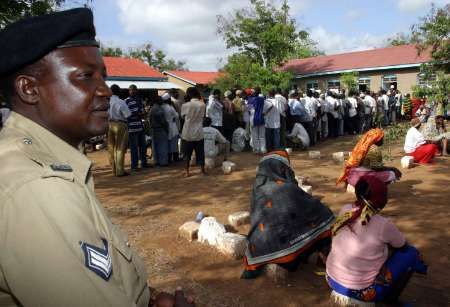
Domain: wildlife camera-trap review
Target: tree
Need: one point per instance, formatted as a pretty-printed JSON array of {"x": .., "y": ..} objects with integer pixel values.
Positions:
[
  {"x": 350, "y": 80},
  {"x": 267, "y": 34},
  {"x": 111, "y": 51},
  {"x": 399, "y": 39},
  {"x": 265, "y": 37},
  {"x": 433, "y": 33},
  {"x": 13, "y": 10},
  {"x": 241, "y": 72}
]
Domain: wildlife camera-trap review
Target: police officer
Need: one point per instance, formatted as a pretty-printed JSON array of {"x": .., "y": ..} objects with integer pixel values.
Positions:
[{"x": 58, "y": 248}]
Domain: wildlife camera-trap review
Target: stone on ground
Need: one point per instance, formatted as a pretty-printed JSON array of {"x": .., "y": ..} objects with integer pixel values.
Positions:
[
  {"x": 314, "y": 154},
  {"x": 350, "y": 189},
  {"x": 228, "y": 167},
  {"x": 210, "y": 230},
  {"x": 232, "y": 244},
  {"x": 338, "y": 299},
  {"x": 407, "y": 162},
  {"x": 239, "y": 218},
  {"x": 189, "y": 230},
  {"x": 340, "y": 156},
  {"x": 211, "y": 163},
  {"x": 307, "y": 189},
  {"x": 301, "y": 180},
  {"x": 276, "y": 273}
]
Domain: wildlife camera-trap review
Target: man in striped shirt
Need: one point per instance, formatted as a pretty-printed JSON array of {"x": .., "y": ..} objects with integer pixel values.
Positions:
[{"x": 138, "y": 147}]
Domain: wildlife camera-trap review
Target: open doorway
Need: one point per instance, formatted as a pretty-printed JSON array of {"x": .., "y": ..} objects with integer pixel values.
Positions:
[{"x": 388, "y": 82}]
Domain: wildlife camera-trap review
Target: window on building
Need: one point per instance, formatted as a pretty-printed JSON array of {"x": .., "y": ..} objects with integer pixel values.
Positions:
[
  {"x": 421, "y": 81},
  {"x": 364, "y": 84},
  {"x": 334, "y": 84},
  {"x": 312, "y": 85},
  {"x": 388, "y": 81}
]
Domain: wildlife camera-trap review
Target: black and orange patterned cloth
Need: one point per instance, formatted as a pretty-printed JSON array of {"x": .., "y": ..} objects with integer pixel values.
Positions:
[{"x": 285, "y": 221}]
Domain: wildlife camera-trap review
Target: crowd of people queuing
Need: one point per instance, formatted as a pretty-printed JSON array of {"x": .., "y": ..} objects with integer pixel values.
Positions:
[{"x": 176, "y": 127}]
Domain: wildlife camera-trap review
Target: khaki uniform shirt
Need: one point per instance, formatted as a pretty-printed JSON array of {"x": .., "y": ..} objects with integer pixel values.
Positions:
[{"x": 57, "y": 246}]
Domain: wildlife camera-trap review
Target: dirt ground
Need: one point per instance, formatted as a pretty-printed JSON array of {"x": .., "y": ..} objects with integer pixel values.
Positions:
[{"x": 152, "y": 204}]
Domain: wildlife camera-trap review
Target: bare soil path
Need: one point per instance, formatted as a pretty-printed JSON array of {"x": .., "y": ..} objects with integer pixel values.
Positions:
[{"x": 152, "y": 204}]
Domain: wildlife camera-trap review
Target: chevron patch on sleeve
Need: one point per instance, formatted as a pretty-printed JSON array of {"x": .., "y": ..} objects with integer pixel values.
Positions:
[{"x": 98, "y": 260}]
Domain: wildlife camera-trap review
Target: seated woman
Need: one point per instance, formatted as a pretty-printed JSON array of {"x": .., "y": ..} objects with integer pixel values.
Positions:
[
  {"x": 366, "y": 159},
  {"x": 422, "y": 150},
  {"x": 287, "y": 224},
  {"x": 370, "y": 260}
]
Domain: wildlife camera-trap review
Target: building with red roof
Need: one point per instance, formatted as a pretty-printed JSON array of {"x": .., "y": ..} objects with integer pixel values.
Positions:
[
  {"x": 396, "y": 66},
  {"x": 127, "y": 71},
  {"x": 184, "y": 79}
]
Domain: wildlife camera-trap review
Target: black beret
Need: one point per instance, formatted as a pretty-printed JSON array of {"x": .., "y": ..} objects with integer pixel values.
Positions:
[{"x": 28, "y": 40}]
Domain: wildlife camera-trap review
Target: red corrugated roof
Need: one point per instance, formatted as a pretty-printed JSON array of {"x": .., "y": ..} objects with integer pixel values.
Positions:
[
  {"x": 197, "y": 77},
  {"x": 390, "y": 56},
  {"x": 126, "y": 67}
]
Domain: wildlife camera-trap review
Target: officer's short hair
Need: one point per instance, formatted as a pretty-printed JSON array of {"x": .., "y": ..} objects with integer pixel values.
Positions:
[{"x": 133, "y": 87}]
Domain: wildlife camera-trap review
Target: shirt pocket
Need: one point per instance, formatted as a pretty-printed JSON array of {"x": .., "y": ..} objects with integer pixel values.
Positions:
[{"x": 128, "y": 266}]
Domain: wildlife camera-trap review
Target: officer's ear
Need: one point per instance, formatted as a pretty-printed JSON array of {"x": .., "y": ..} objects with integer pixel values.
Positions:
[{"x": 26, "y": 89}]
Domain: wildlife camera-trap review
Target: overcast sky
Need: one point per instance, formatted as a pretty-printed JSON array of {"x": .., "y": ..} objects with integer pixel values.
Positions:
[{"x": 186, "y": 29}]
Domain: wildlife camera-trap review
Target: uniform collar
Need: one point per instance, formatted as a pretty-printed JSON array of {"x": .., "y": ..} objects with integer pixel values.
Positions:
[{"x": 47, "y": 149}]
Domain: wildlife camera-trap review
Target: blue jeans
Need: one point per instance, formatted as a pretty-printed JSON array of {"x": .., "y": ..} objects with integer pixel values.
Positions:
[
  {"x": 160, "y": 148},
  {"x": 138, "y": 149},
  {"x": 272, "y": 138}
]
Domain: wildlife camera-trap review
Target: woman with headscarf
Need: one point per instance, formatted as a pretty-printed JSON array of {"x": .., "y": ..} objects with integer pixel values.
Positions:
[
  {"x": 366, "y": 159},
  {"x": 360, "y": 266},
  {"x": 287, "y": 224}
]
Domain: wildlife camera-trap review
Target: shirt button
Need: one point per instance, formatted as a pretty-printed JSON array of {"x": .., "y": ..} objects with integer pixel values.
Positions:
[{"x": 27, "y": 141}]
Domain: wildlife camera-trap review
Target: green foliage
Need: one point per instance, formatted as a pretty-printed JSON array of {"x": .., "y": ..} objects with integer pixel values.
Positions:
[
  {"x": 399, "y": 39},
  {"x": 433, "y": 33},
  {"x": 350, "y": 80},
  {"x": 265, "y": 36},
  {"x": 265, "y": 33},
  {"x": 155, "y": 58},
  {"x": 241, "y": 72},
  {"x": 392, "y": 136}
]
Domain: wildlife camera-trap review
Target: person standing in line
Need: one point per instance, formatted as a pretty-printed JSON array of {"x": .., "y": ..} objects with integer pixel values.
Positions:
[
  {"x": 239, "y": 108},
  {"x": 333, "y": 114},
  {"x": 385, "y": 100},
  {"x": 311, "y": 108},
  {"x": 117, "y": 132},
  {"x": 172, "y": 118},
  {"x": 370, "y": 109},
  {"x": 325, "y": 109},
  {"x": 193, "y": 112},
  {"x": 160, "y": 133},
  {"x": 342, "y": 107},
  {"x": 283, "y": 103},
  {"x": 257, "y": 124},
  {"x": 229, "y": 120},
  {"x": 138, "y": 147},
  {"x": 352, "y": 113},
  {"x": 214, "y": 110},
  {"x": 272, "y": 111}
]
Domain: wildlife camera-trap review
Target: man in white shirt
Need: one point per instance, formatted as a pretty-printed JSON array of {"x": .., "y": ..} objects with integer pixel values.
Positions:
[
  {"x": 272, "y": 110},
  {"x": 215, "y": 143},
  {"x": 117, "y": 132},
  {"x": 333, "y": 117},
  {"x": 325, "y": 109},
  {"x": 311, "y": 107},
  {"x": 282, "y": 101},
  {"x": 352, "y": 113},
  {"x": 214, "y": 110},
  {"x": 370, "y": 108},
  {"x": 192, "y": 133},
  {"x": 385, "y": 98},
  {"x": 417, "y": 146}
]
